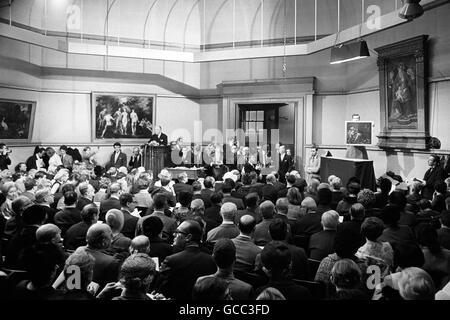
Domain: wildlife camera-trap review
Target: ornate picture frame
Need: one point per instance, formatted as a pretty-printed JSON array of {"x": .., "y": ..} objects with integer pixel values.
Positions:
[
  {"x": 358, "y": 133},
  {"x": 122, "y": 116},
  {"x": 16, "y": 120},
  {"x": 403, "y": 94}
]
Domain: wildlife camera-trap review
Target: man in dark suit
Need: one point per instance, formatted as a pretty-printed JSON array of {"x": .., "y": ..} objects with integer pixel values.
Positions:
[
  {"x": 278, "y": 230},
  {"x": 32, "y": 218},
  {"x": 224, "y": 255},
  {"x": 252, "y": 208},
  {"x": 159, "y": 137},
  {"x": 226, "y": 190},
  {"x": 70, "y": 215},
  {"x": 87, "y": 193},
  {"x": 118, "y": 158},
  {"x": 321, "y": 244},
  {"x": 276, "y": 258},
  {"x": 246, "y": 250},
  {"x": 5, "y": 161},
  {"x": 106, "y": 267},
  {"x": 285, "y": 164},
  {"x": 135, "y": 159},
  {"x": 435, "y": 174},
  {"x": 152, "y": 228},
  {"x": 129, "y": 221},
  {"x": 261, "y": 236},
  {"x": 66, "y": 159},
  {"x": 357, "y": 215},
  {"x": 269, "y": 192},
  {"x": 112, "y": 202},
  {"x": 180, "y": 271},
  {"x": 213, "y": 212},
  {"x": 208, "y": 191},
  {"x": 76, "y": 235},
  {"x": 182, "y": 184},
  {"x": 45, "y": 199}
]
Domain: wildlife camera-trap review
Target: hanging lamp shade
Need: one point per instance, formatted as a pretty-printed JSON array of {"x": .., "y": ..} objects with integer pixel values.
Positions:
[
  {"x": 411, "y": 9},
  {"x": 349, "y": 52}
]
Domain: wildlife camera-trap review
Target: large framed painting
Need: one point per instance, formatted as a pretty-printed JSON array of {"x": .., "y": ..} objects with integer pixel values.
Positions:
[
  {"x": 358, "y": 133},
  {"x": 120, "y": 116},
  {"x": 403, "y": 94},
  {"x": 16, "y": 120}
]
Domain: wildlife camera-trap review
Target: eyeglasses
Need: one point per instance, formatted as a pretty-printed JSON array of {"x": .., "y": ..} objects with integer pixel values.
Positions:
[{"x": 176, "y": 232}]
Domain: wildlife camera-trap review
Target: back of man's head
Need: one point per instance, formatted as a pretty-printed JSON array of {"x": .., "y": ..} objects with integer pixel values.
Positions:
[
  {"x": 357, "y": 212},
  {"x": 282, "y": 205},
  {"x": 47, "y": 232},
  {"x": 185, "y": 198},
  {"x": 224, "y": 253},
  {"x": 267, "y": 209},
  {"x": 278, "y": 230},
  {"x": 226, "y": 188},
  {"x": 228, "y": 211},
  {"x": 159, "y": 201},
  {"x": 125, "y": 199},
  {"x": 115, "y": 188},
  {"x": 330, "y": 220},
  {"x": 84, "y": 188},
  {"x": 397, "y": 198},
  {"x": 29, "y": 184},
  {"x": 114, "y": 218},
  {"x": 247, "y": 224},
  {"x": 20, "y": 204},
  {"x": 198, "y": 207},
  {"x": 276, "y": 257},
  {"x": 385, "y": 185},
  {"x": 209, "y": 182},
  {"x": 89, "y": 213},
  {"x": 70, "y": 198},
  {"x": 152, "y": 226},
  {"x": 291, "y": 179},
  {"x": 216, "y": 198},
  {"x": 99, "y": 236},
  {"x": 196, "y": 186},
  {"x": 251, "y": 200}
]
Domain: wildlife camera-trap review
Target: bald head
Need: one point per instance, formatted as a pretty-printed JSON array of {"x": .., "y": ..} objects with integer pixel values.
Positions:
[
  {"x": 247, "y": 224},
  {"x": 114, "y": 218},
  {"x": 228, "y": 211},
  {"x": 140, "y": 244},
  {"x": 99, "y": 236},
  {"x": 48, "y": 233},
  {"x": 282, "y": 205},
  {"x": 267, "y": 209}
]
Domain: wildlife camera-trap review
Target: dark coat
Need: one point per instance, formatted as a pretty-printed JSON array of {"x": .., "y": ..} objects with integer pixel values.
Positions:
[
  {"x": 105, "y": 205},
  {"x": 121, "y": 160}
]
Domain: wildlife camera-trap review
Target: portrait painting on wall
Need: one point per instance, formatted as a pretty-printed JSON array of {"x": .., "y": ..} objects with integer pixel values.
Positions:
[
  {"x": 358, "y": 133},
  {"x": 403, "y": 72},
  {"x": 401, "y": 93},
  {"x": 16, "y": 120},
  {"x": 122, "y": 116}
]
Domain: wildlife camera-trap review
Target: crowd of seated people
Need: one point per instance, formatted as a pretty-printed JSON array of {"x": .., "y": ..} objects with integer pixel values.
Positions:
[{"x": 133, "y": 236}]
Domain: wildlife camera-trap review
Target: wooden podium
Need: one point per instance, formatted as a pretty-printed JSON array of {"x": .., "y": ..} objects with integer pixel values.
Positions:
[{"x": 154, "y": 159}]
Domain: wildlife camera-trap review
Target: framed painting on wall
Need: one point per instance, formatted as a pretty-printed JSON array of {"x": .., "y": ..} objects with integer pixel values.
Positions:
[
  {"x": 16, "y": 120},
  {"x": 403, "y": 94},
  {"x": 358, "y": 133},
  {"x": 121, "y": 116}
]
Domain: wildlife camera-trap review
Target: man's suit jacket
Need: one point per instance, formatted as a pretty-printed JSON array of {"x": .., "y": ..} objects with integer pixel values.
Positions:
[
  {"x": 179, "y": 187},
  {"x": 76, "y": 236},
  {"x": 269, "y": 192},
  {"x": 261, "y": 236},
  {"x": 31, "y": 163},
  {"x": 213, "y": 213},
  {"x": 66, "y": 218},
  {"x": 135, "y": 161},
  {"x": 224, "y": 231},
  {"x": 180, "y": 271},
  {"x": 160, "y": 249},
  {"x": 299, "y": 262},
  {"x": 285, "y": 166},
  {"x": 309, "y": 224},
  {"x": 162, "y": 139},
  {"x": 206, "y": 197},
  {"x": 432, "y": 176},
  {"x": 238, "y": 202},
  {"x": 121, "y": 160},
  {"x": 82, "y": 201},
  {"x": 129, "y": 224},
  {"x": 246, "y": 252},
  {"x": 105, "y": 205},
  {"x": 106, "y": 267},
  {"x": 67, "y": 161},
  {"x": 321, "y": 244}
]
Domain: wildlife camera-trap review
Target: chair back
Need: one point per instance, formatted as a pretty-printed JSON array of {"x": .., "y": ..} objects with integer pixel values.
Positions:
[
  {"x": 317, "y": 289},
  {"x": 313, "y": 265}
]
